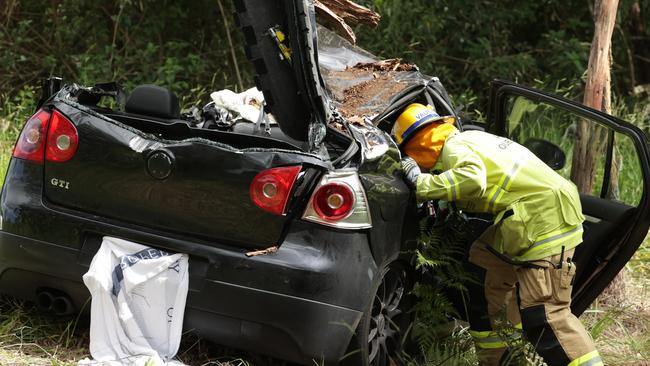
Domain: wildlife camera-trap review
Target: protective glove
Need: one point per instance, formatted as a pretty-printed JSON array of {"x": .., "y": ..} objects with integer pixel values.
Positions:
[{"x": 411, "y": 171}]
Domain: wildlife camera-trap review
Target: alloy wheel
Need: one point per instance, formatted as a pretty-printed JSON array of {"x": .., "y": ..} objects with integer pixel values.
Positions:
[{"x": 387, "y": 319}]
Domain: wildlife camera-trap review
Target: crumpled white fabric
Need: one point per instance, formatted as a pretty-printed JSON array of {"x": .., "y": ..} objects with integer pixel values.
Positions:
[
  {"x": 138, "y": 302},
  {"x": 246, "y": 104}
]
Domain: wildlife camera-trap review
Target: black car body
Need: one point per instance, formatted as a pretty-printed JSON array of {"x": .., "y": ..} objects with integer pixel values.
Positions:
[{"x": 81, "y": 172}]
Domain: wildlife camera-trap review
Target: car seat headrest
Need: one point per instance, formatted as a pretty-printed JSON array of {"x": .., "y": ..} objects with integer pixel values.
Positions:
[{"x": 153, "y": 100}]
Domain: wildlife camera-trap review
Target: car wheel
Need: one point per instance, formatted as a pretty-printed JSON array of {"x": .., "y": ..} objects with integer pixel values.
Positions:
[{"x": 380, "y": 336}]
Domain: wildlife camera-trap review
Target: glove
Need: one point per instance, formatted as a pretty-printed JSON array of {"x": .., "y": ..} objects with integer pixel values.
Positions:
[{"x": 411, "y": 171}]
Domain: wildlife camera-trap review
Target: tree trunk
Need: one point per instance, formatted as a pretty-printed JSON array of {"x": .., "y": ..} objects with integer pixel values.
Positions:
[
  {"x": 591, "y": 139},
  {"x": 640, "y": 45}
]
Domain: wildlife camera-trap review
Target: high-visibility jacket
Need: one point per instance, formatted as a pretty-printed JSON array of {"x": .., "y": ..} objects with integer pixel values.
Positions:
[{"x": 537, "y": 211}]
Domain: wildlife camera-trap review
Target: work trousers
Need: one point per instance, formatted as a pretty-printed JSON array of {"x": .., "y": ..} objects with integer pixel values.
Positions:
[{"x": 537, "y": 299}]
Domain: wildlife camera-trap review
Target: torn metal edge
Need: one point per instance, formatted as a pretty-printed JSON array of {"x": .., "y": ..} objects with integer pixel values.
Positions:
[{"x": 62, "y": 97}]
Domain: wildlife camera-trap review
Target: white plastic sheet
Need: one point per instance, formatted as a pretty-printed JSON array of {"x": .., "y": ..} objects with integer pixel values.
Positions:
[
  {"x": 246, "y": 104},
  {"x": 138, "y": 302}
]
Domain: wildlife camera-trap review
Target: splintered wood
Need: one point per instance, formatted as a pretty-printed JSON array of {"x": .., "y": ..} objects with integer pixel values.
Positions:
[
  {"x": 391, "y": 64},
  {"x": 338, "y": 15}
]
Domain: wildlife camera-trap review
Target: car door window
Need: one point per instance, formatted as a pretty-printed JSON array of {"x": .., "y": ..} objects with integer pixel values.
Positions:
[
  {"x": 607, "y": 158},
  {"x": 626, "y": 175},
  {"x": 617, "y": 178}
]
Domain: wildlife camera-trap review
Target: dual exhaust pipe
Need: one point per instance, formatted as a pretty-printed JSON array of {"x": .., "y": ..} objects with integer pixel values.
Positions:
[{"x": 55, "y": 302}]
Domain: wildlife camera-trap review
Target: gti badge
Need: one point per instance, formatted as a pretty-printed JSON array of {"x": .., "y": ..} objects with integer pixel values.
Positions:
[{"x": 60, "y": 183}]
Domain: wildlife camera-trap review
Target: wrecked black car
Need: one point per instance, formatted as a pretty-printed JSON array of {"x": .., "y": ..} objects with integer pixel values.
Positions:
[{"x": 319, "y": 195}]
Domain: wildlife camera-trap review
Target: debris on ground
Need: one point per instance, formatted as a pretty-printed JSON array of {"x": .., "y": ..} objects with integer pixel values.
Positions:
[
  {"x": 391, "y": 64},
  {"x": 360, "y": 84},
  {"x": 366, "y": 88},
  {"x": 269, "y": 250}
]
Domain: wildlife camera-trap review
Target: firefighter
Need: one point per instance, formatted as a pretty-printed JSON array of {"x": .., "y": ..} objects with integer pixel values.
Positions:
[{"x": 525, "y": 256}]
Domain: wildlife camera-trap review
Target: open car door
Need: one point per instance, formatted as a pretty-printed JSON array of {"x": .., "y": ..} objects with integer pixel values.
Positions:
[{"x": 617, "y": 207}]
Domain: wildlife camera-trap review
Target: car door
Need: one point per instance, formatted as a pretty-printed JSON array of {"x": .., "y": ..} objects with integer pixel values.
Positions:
[{"x": 616, "y": 207}]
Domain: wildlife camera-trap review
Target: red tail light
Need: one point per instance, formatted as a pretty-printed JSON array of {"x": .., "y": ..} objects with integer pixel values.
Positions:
[
  {"x": 271, "y": 188},
  {"x": 31, "y": 142},
  {"x": 62, "y": 139},
  {"x": 339, "y": 201},
  {"x": 334, "y": 201}
]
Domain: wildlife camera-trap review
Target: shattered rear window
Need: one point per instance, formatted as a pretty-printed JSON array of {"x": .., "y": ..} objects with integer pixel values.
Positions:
[{"x": 359, "y": 83}]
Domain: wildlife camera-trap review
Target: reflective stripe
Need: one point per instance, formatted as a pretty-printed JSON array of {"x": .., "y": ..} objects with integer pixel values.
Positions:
[
  {"x": 513, "y": 172},
  {"x": 496, "y": 198},
  {"x": 482, "y": 334},
  {"x": 488, "y": 339},
  {"x": 491, "y": 345},
  {"x": 546, "y": 240},
  {"x": 497, "y": 193},
  {"x": 492, "y": 339},
  {"x": 452, "y": 194},
  {"x": 590, "y": 359}
]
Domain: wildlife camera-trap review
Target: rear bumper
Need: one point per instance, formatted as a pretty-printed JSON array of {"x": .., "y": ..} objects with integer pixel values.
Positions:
[{"x": 233, "y": 300}]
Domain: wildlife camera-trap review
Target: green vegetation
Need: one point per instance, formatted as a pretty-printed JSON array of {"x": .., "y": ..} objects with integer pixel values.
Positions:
[
  {"x": 466, "y": 43},
  {"x": 28, "y": 338},
  {"x": 14, "y": 111},
  {"x": 130, "y": 41}
]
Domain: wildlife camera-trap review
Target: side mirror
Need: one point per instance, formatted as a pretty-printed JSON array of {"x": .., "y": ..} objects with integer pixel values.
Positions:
[{"x": 548, "y": 152}]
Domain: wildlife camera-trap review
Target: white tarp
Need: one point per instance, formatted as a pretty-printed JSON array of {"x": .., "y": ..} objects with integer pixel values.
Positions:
[{"x": 138, "y": 301}]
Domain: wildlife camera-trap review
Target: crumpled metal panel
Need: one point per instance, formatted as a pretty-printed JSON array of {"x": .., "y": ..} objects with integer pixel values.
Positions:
[{"x": 206, "y": 193}]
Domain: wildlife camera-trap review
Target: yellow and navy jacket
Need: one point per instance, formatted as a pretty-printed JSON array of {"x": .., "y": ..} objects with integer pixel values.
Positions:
[{"x": 537, "y": 211}]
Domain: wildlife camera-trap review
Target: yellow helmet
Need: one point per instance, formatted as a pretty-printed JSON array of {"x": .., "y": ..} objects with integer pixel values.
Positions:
[{"x": 414, "y": 117}]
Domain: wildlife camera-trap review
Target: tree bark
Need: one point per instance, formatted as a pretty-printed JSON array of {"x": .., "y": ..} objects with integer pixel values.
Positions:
[
  {"x": 331, "y": 20},
  {"x": 591, "y": 139},
  {"x": 338, "y": 15},
  {"x": 352, "y": 13}
]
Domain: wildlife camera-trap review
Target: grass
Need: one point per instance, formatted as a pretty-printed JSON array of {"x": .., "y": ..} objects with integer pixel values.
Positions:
[
  {"x": 28, "y": 337},
  {"x": 619, "y": 321}
]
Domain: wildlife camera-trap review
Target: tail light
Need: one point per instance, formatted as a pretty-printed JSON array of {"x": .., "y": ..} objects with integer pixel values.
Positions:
[
  {"x": 333, "y": 201},
  {"x": 31, "y": 142},
  {"x": 48, "y": 136},
  {"x": 339, "y": 201},
  {"x": 271, "y": 188},
  {"x": 62, "y": 139}
]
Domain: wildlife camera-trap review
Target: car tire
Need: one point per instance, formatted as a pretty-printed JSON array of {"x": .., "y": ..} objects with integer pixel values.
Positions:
[
  {"x": 275, "y": 77},
  {"x": 386, "y": 324}
]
